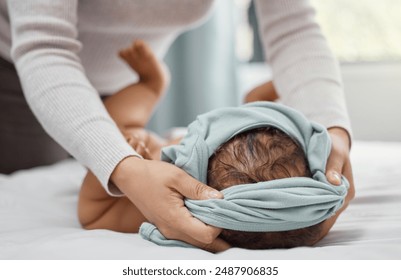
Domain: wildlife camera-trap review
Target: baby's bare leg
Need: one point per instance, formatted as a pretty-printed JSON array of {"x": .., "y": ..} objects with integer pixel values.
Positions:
[
  {"x": 98, "y": 210},
  {"x": 151, "y": 71},
  {"x": 131, "y": 109},
  {"x": 134, "y": 105}
]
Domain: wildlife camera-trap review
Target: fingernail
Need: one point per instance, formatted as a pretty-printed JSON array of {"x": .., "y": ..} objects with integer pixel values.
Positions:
[
  {"x": 336, "y": 176},
  {"x": 213, "y": 194}
]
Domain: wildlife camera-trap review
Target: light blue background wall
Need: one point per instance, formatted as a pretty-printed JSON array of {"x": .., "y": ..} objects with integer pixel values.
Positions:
[{"x": 203, "y": 70}]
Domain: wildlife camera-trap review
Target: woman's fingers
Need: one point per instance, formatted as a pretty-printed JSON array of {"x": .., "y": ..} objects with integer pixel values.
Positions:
[
  {"x": 218, "y": 245},
  {"x": 194, "y": 232},
  {"x": 189, "y": 229},
  {"x": 339, "y": 155},
  {"x": 339, "y": 163},
  {"x": 187, "y": 225},
  {"x": 193, "y": 189},
  {"x": 158, "y": 190},
  {"x": 334, "y": 167}
]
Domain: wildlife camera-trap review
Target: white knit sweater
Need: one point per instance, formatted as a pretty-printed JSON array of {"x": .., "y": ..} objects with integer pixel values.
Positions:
[{"x": 65, "y": 55}]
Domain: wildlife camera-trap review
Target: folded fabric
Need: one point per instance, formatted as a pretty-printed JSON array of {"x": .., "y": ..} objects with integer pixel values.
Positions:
[{"x": 276, "y": 205}]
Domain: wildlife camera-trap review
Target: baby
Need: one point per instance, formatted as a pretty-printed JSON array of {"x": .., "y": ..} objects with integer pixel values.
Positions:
[{"x": 256, "y": 155}]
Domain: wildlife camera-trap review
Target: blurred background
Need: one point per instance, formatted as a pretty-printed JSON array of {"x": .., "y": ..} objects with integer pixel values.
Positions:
[{"x": 215, "y": 64}]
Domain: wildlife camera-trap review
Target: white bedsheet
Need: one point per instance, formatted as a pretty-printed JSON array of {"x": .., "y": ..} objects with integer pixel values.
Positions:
[{"x": 38, "y": 218}]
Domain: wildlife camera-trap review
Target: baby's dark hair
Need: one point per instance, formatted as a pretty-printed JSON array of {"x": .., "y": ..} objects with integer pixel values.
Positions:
[{"x": 258, "y": 155}]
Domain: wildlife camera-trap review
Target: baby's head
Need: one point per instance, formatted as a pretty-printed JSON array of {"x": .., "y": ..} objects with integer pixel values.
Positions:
[{"x": 258, "y": 155}]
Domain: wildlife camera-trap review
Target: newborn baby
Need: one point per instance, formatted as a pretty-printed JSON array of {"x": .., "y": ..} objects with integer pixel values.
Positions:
[
  {"x": 258, "y": 155},
  {"x": 254, "y": 155}
]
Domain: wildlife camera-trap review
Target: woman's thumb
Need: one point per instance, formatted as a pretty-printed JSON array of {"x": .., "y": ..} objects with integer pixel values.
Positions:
[
  {"x": 193, "y": 189},
  {"x": 333, "y": 172}
]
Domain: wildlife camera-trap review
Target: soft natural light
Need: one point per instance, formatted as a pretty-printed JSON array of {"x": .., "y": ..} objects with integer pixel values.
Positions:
[
  {"x": 367, "y": 30},
  {"x": 356, "y": 30},
  {"x": 244, "y": 32}
]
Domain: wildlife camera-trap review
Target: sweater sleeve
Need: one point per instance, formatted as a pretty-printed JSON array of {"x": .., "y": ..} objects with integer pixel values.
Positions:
[
  {"x": 305, "y": 72},
  {"x": 45, "y": 51}
]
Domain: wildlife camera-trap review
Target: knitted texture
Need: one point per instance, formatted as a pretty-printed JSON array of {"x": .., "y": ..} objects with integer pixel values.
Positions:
[{"x": 66, "y": 55}]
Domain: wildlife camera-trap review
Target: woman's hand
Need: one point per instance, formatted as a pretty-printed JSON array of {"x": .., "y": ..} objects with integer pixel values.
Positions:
[
  {"x": 339, "y": 161},
  {"x": 158, "y": 190},
  {"x": 339, "y": 164}
]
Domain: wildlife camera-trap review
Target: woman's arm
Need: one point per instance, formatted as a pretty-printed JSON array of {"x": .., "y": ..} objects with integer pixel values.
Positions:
[
  {"x": 45, "y": 51},
  {"x": 306, "y": 74}
]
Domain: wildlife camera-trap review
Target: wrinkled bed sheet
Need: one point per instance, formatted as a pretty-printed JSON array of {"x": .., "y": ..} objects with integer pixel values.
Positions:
[{"x": 38, "y": 218}]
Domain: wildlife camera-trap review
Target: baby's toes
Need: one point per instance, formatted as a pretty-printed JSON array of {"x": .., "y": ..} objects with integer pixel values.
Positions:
[
  {"x": 124, "y": 53},
  {"x": 142, "y": 49}
]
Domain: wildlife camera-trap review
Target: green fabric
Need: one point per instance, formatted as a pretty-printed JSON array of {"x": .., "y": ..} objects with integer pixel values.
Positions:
[{"x": 276, "y": 205}]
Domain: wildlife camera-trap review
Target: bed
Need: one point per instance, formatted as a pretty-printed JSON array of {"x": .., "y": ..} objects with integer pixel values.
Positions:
[{"x": 38, "y": 218}]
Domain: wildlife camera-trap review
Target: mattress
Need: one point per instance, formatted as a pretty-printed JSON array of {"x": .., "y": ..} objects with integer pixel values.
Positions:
[{"x": 38, "y": 218}]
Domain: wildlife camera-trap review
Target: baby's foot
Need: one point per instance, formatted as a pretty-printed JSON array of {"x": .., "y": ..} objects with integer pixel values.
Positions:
[{"x": 151, "y": 71}]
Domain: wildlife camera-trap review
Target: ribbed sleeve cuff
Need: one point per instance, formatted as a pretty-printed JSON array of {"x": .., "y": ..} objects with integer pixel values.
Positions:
[
  {"x": 103, "y": 171},
  {"x": 106, "y": 149}
]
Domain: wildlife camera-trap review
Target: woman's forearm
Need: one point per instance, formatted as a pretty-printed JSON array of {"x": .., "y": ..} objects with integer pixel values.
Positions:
[
  {"x": 44, "y": 50},
  {"x": 305, "y": 72}
]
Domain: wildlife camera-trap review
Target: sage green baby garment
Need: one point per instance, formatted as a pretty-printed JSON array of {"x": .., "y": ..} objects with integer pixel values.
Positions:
[{"x": 276, "y": 205}]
